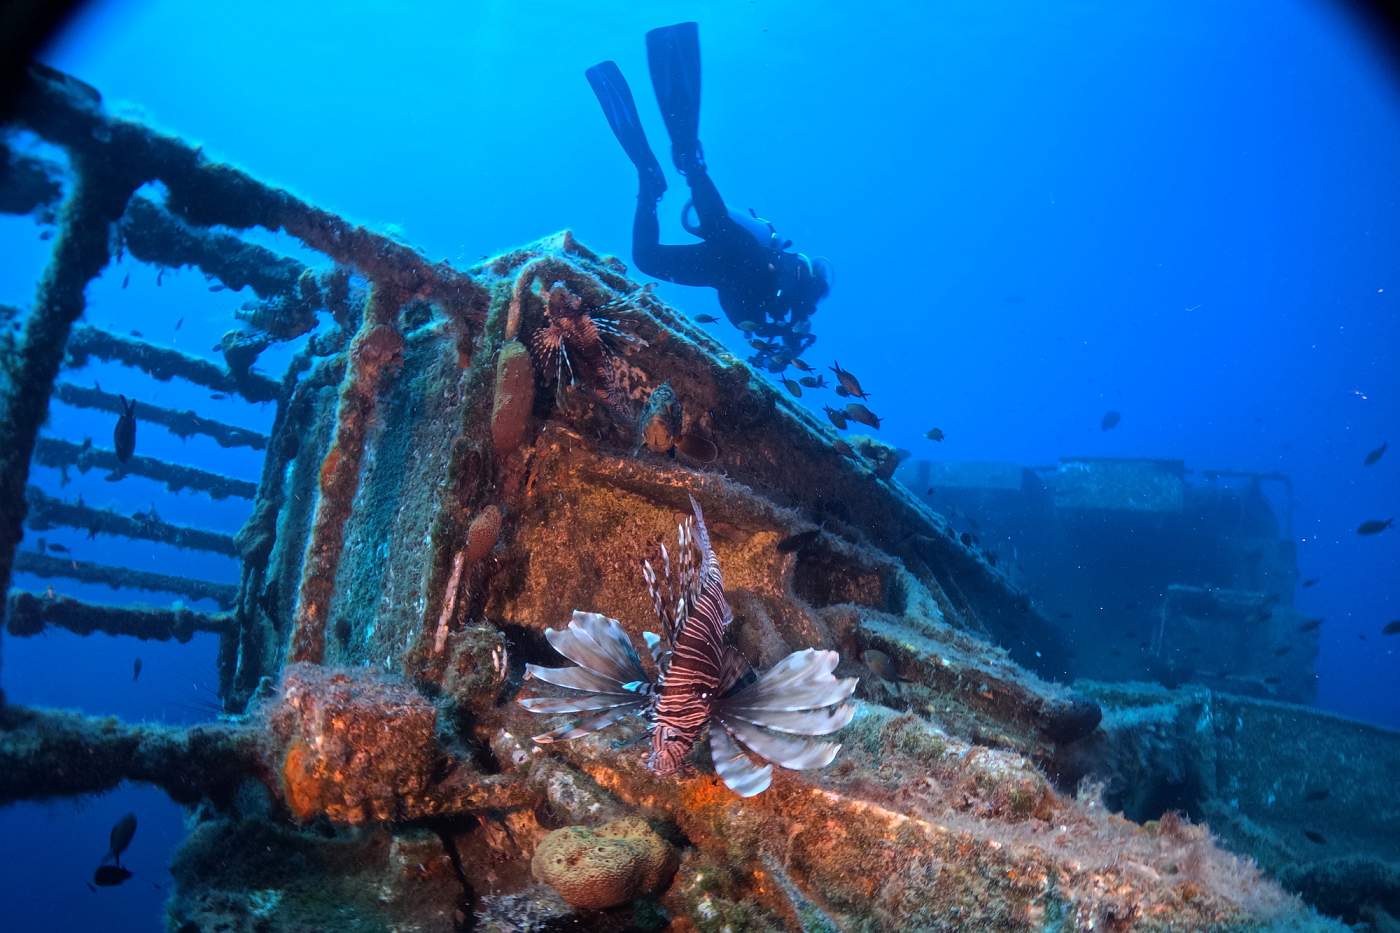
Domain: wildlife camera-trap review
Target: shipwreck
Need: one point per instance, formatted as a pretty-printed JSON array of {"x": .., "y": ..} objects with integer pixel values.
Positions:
[{"x": 439, "y": 488}]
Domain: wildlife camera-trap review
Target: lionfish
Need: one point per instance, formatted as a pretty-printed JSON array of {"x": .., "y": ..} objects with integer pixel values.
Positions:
[
  {"x": 702, "y": 680},
  {"x": 575, "y": 339}
]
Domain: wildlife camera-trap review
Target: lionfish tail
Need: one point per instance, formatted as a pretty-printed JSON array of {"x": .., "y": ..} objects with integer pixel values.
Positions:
[
  {"x": 775, "y": 716},
  {"x": 606, "y": 678}
]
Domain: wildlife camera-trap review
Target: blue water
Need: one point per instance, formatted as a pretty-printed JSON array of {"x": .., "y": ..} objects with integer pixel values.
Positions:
[{"x": 1184, "y": 212}]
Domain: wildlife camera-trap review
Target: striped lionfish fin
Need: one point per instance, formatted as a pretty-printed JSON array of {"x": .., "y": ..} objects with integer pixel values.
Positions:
[
  {"x": 735, "y": 768},
  {"x": 797, "y": 697},
  {"x": 608, "y": 677}
]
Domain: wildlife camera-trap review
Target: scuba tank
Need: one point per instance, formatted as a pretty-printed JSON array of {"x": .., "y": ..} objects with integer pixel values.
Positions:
[{"x": 763, "y": 231}]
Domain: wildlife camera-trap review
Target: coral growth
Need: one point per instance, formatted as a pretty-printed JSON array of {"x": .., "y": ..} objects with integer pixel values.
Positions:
[{"x": 604, "y": 867}]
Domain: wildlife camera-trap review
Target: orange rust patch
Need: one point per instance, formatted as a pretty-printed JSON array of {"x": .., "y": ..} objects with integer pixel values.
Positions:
[{"x": 301, "y": 790}]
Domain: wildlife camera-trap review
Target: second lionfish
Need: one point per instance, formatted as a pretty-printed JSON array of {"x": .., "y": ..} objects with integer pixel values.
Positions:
[{"x": 702, "y": 683}]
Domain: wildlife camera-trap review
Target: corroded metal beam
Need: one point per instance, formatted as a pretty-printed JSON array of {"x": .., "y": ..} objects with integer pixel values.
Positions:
[
  {"x": 180, "y": 423},
  {"x": 30, "y": 614},
  {"x": 48, "y": 566},
  {"x": 377, "y": 349},
  {"x": 47, "y": 512},
  {"x": 52, "y": 452},
  {"x": 80, "y": 252},
  {"x": 48, "y": 753},
  {"x": 164, "y": 364}
]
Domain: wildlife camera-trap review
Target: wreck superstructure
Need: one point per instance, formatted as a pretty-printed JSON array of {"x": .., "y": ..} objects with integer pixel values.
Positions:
[{"x": 430, "y": 501}]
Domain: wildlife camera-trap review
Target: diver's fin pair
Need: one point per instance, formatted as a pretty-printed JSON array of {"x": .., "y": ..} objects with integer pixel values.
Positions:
[{"x": 673, "y": 54}]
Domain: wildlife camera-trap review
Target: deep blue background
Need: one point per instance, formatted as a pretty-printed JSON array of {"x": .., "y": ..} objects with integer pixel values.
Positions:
[{"x": 1185, "y": 212}]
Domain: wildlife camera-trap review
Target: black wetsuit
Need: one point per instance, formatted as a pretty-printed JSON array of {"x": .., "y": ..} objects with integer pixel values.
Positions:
[{"x": 763, "y": 287}]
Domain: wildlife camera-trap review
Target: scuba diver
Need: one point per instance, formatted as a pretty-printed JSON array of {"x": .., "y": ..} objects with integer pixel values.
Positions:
[{"x": 764, "y": 287}]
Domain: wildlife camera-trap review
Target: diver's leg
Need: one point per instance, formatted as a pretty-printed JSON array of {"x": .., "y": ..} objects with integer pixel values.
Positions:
[
  {"x": 684, "y": 265},
  {"x": 673, "y": 53},
  {"x": 709, "y": 205},
  {"x": 621, "y": 112}
]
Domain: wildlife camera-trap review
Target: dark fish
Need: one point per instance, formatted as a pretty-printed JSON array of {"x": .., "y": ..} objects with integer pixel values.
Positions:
[
  {"x": 1309, "y": 583},
  {"x": 841, "y": 391},
  {"x": 880, "y": 664},
  {"x": 1391, "y": 628},
  {"x": 1110, "y": 420},
  {"x": 747, "y": 327},
  {"x": 798, "y": 541},
  {"x": 1374, "y": 526},
  {"x": 1376, "y": 454},
  {"x": 1311, "y": 625},
  {"x": 217, "y": 288},
  {"x": 698, "y": 448},
  {"x": 813, "y": 382},
  {"x": 802, "y": 365},
  {"x": 1315, "y": 837},
  {"x": 124, "y": 435},
  {"x": 848, "y": 381},
  {"x": 46, "y": 235},
  {"x": 1281, "y": 650},
  {"x": 858, "y": 412},
  {"x": 58, "y": 548},
  {"x": 935, "y": 434},
  {"x": 835, "y": 416},
  {"x": 792, "y": 387},
  {"x": 1314, "y": 796},
  {"x": 705, "y": 319},
  {"x": 122, "y": 833},
  {"x": 137, "y": 334},
  {"x": 107, "y": 876},
  {"x": 180, "y": 323},
  {"x": 126, "y": 280},
  {"x": 160, "y": 274},
  {"x": 217, "y": 396},
  {"x": 136, "y": 670},
  {"x": 842, "y": 448}
]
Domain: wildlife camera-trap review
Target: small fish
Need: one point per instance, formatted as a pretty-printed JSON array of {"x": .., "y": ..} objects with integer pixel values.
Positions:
[
  {"x": 160, "y": 274},
  {"x": 1374, "y": 526},
  {"x": 705, "y": 319},
  {"x": 1315, "y": 837},
  {"x": 108, "y": 876},
  {"x": 136, "y": 670},
  {"x": 126, "y": 280},
  {"x": 46, "y": 235},
  {"x": 1309, "y": 583},
  {"x": 698, "y": 448},
  {"x": 802, "y": 365},
  {"x": 1110, "y": 420},
  {"x": 1391, "y": 628},
  {"x": 792, "y": 387},
  {"x": 59, "y": 549},
  {"x": 935, "y": 434},
  {"x": 217, "y": 396},
  {"x": 763, "y": 346},
  {"x": 217, "y": 288},
  {"x": 1375, "y": 455},
  {"x": 122, "y": 832},
  {"x": 798, "y": 541},
  {"x": 1311, "y": 625},
  {"x": 747, "y": 327},
  {"x": 841, "y": 391},
  {"x": 180, "y": 323},
  {"x": 137, "y": 334},
  {"x": 842, "y": 448},
  {"x": 848, "y": 381},
  {"x": 1319, "y": 794},
  {"x": 813, "y": 382},
  {"x": 835, "y": 416},
  {"x": 1281, "y": 650},
  {"x": 124, "y": 434},
  {"x": 858, "y": 412},
  {"x": 881, "y": 665},
  {"x": 93, "y": 529}
]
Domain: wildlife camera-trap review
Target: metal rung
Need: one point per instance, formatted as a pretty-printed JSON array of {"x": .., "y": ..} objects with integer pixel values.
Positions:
[
  {"x": 46, "y": 565},
  {"x": 46, "y": 512},
  {"x": 30, "y": 614},
  {"x": 164, "y": 363},
  {"x": 52, "y": 452},
  {"x": 180, "y": 423}
]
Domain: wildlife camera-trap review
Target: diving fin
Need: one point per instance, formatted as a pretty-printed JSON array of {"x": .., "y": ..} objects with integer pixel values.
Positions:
[
  {"x": 621, "y": 112},
  {"x": 673, "y": 54}
]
